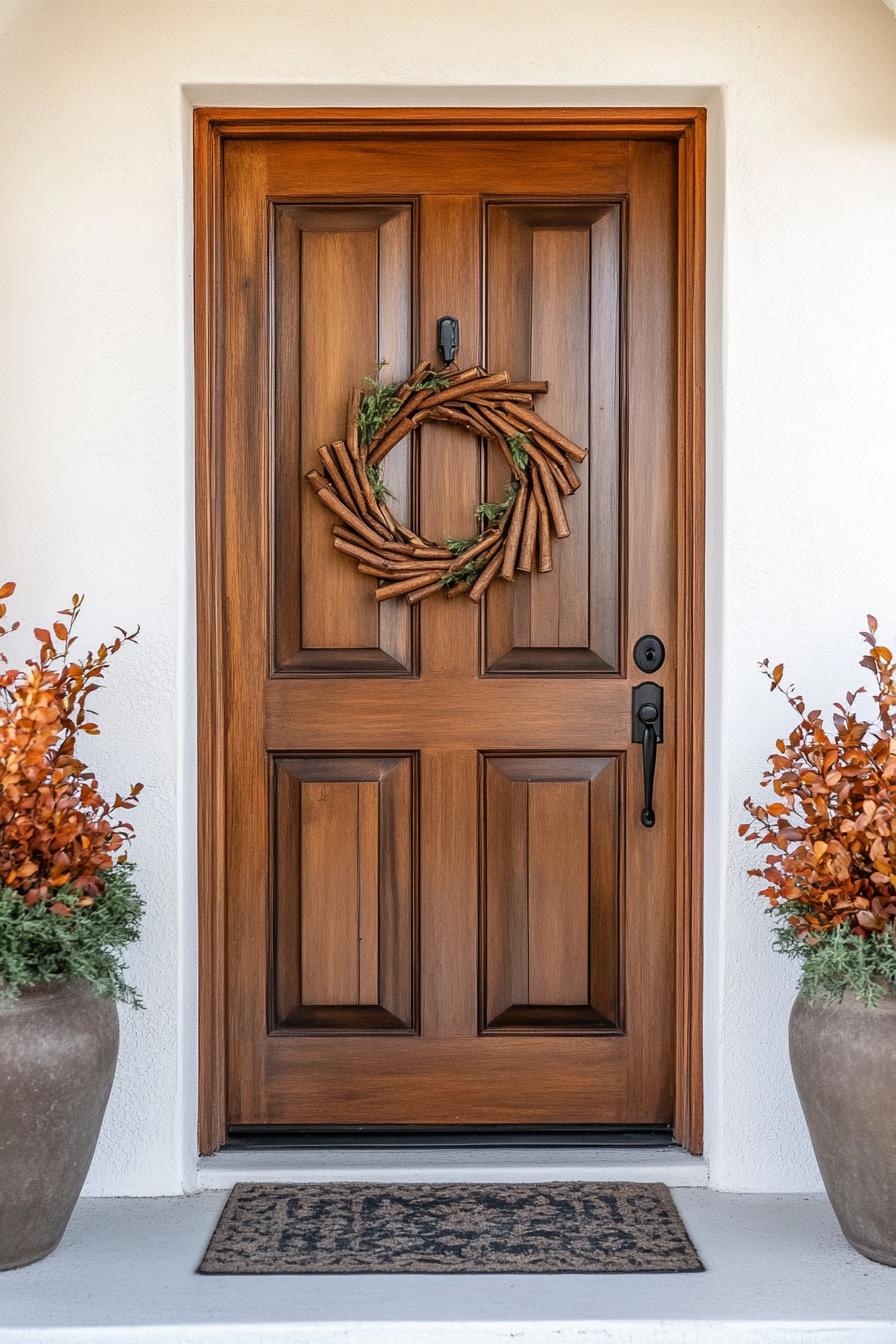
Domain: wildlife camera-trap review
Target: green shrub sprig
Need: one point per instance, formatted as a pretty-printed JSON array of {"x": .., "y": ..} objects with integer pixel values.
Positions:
[{"x": 38, "y": 944}]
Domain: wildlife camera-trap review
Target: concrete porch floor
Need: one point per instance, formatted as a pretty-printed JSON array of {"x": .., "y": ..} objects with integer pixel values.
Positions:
[{"x": 777, "y": 1267}]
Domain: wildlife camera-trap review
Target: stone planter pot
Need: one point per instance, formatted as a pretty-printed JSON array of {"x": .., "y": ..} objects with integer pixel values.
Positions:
[
  {"x": 844, "y": 1064},
  {"x": 58, "y": 1047}
]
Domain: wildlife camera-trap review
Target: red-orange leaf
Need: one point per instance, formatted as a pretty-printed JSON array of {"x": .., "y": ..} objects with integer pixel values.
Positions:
[
  {"x": 829, "y": 844},
  {"x": 57, "y": 831}
]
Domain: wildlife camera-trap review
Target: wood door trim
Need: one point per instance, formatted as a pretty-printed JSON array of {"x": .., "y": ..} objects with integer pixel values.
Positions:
[
  {"x": 687, "y": 127},
  {"x": 691, "y": 466},
  {"x": 612, "y": 123}
]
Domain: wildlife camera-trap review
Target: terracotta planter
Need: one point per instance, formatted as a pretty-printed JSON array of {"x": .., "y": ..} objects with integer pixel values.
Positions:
[
  {"x": 58, "y": 1047},
  {"x": 844, "y": 1064}
]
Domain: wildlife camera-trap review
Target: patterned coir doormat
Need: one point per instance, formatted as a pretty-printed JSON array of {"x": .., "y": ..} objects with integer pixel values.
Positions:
[{"x": 556, "y": 1228}]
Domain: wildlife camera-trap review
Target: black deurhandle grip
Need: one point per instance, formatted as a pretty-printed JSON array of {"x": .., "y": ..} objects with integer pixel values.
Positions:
[{"x": 648, "y": 714}]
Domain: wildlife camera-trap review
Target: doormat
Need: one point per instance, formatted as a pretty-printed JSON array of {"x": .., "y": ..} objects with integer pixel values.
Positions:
[{"x": 554, "y": 1228}]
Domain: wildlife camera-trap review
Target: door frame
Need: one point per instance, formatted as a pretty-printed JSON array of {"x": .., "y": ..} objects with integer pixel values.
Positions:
[{"x": 686, "y": 127}]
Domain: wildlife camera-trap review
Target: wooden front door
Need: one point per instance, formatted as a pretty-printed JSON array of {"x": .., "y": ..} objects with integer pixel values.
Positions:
[{"x": 436, "y": 902}]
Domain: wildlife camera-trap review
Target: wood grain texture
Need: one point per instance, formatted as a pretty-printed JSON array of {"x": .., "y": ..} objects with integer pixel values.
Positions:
[
  {"x": 549, "y": 894},
  {"x": 690, "y": 634},
  {"x": 555, "y": 309},
  {"x": 345, "y": 916},
  {"x": 449, "y": 1070},
  {"x": 558, "y": 896},
  {"x": 341, "y": 304},
  {"x": 565, "y": 123},
  {"x": 211, "y": 712}
]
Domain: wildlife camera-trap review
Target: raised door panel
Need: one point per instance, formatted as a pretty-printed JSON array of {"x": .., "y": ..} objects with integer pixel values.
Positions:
[
  {"x": 342, "y": 289},
  {"x": 345, "y": 905},
  {"x": 550, "y": 883},
  {"x": 554, "y": 311}
]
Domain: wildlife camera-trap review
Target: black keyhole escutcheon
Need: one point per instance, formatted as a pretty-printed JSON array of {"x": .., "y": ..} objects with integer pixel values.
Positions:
[{"x": 649, "y": 653}]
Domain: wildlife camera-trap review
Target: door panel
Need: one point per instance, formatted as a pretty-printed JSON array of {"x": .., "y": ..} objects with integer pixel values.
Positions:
[
  {"x": 345, "y": 917},
  {"x": 555, "y": 308},
  {"x": 550, "y": 893},
  {"x": 441, "y": 905},
  {"x": 354, "y": 260}
]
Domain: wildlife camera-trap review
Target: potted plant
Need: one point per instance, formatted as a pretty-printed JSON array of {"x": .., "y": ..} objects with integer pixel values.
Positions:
[
  {"x": 829, "y": 867},
  {"x": 67, "y": 907}
]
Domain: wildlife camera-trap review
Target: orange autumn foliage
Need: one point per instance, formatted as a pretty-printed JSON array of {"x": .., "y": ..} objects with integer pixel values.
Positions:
[
  {"x": 56, "y": 829},
  {"x": 830, "y": 834}
]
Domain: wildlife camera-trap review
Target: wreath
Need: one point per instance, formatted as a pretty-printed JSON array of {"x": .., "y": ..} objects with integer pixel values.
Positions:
[{"x": 509, "y": 532}]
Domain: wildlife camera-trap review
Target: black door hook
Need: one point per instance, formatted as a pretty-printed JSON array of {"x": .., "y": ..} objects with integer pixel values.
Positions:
[{"x": 448, "y": 337}]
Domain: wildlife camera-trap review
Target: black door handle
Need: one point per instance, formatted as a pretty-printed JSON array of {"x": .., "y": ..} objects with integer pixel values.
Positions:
[
  {"x": 647, "y": 728},
  {"x": 648, "y": 715}
]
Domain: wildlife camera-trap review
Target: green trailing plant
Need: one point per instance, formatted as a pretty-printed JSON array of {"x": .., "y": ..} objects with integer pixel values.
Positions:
[
  {"x": 464, "y": 573},
  {"x": 457, "y": 545},
  {"x": 518, "y": 443},
  {"x": 380, "y": 490},
  {"x": 378, "y": 404},
  {"x": 487, "y": 514},
  {"x": 828, "y": 836},
  {"x": 432, "y": 382},
  {"x": 39, "y": 944}
]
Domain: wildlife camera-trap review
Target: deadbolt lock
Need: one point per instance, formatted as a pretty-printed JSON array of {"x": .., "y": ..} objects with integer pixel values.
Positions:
[{"x": 649, "y": 653}]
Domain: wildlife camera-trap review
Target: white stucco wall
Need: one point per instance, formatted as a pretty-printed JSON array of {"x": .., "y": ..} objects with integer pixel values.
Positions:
[{"x": 96, "y": 429}]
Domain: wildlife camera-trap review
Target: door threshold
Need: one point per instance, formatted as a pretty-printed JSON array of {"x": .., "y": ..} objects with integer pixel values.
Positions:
[
  {"x": 242, "y": 1138},
  {"x": 670, "y": 1165}
]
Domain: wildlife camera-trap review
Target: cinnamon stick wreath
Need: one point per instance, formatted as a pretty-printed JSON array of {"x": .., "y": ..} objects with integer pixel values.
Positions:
[{"x": 514, "y": 534}]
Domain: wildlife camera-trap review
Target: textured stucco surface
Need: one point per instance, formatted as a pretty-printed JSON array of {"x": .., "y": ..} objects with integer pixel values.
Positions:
[{"x": 95, "y": 390}]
